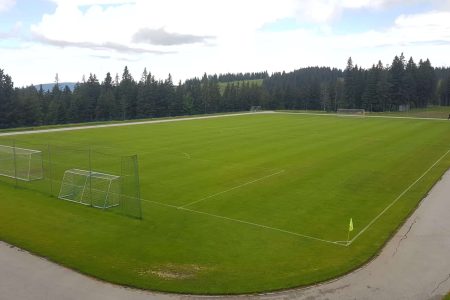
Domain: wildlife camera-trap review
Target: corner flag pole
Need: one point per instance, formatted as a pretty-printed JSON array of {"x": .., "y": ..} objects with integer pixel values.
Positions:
[{"x": 350, "y": 228}]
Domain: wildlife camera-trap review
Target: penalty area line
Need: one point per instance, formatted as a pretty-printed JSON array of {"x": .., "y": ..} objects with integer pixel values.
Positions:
[
  {"x": 396, "y": 199},
  {"x": 231, "y": 189},
  {"x": 248, "y": 223}
]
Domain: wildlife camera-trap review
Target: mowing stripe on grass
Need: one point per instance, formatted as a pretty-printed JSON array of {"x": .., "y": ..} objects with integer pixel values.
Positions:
[
  {"x": 247, "y": 223},
  {"x": 231, "y": 189},
  {"x": 396, "y": 199},
  {"x": 340, "y": 243}
]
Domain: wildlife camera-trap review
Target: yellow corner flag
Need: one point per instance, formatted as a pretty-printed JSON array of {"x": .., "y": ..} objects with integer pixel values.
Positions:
[{"x": 350, "y": 226}]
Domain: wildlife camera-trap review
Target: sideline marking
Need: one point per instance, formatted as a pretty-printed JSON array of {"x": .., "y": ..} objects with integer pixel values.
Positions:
[
  {"x": 362, "y": 117},
  {"x": 231, "y": 189},
  {"x": 396, "y": 199},
  {"x": 247, "y": 223},
  {"x": 338, "y": 243}
]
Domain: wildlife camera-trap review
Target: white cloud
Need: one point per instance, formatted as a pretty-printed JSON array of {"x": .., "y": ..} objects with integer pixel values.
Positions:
[
  {"x": 120, "y": 22},
  {"x": 83, "y": 36},
  {"x": 325, "y": 11},
  {"x": 5, "y": 5}
]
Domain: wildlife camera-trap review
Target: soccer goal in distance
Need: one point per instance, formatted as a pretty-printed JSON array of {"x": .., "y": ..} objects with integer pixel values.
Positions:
[
  {"x": 255, "y": 108},
  {"x": 20, "y": 163},
  {"x": 91, "y": 188},
  {"x": 351, "y": 112}
]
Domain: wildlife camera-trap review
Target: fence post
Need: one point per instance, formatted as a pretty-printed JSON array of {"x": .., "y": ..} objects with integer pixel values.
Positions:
[
  {"x": 50, "y": 169},
  {"x": 15, "y": 164},
  {"x": 90, "y": 176},
  {"x": 137, "y": 183}
]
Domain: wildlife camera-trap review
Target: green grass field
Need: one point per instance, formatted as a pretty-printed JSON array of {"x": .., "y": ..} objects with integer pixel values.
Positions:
[{"x": 238, "y": 204}]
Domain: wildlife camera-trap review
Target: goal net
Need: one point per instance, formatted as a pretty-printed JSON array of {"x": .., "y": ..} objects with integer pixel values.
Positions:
[
  {"x": 351, "y": 112},
  {"x": 91, "y": 188},
  {"x": 20, "y": 163},
  {"x": 255, "y": 108}
]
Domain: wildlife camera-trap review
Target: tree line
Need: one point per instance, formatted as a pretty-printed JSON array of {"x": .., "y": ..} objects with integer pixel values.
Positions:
[{"x": 379, "y": 88}]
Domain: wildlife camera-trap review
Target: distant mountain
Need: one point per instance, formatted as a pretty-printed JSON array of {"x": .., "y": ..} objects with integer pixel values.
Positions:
[{"x": 49, "y": 86}]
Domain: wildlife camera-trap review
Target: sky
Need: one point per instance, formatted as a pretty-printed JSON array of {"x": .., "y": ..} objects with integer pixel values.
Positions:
[{"x": 186, "y": 38}]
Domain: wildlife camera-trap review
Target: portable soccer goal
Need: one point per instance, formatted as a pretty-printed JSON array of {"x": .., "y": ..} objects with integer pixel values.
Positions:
[
  {"x": 91, "y": 188},
  {"x": 22, "y": 164},
  {"x": 255, "y": 108},
  {"x": 351, "y": 112}
]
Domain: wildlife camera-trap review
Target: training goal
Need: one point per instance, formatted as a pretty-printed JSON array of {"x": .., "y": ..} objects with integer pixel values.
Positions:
[
  {"x": 351, "y": 112},
  {"x": 20, "y": 163},
  {"x": 255, "y": 108},
  {"x": 91, "y": 188}
]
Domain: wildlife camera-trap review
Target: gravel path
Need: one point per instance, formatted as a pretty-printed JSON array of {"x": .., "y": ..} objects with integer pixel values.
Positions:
[{"x": 14, "y": 133}]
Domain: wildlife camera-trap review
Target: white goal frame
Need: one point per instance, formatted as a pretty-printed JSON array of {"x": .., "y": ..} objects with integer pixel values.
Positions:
[
  {"x": 20, "y": 163},
  {"x": 256, "y": 108},
  {"x": 354, "y": 112},
  {"x": 76, "y": 181}
]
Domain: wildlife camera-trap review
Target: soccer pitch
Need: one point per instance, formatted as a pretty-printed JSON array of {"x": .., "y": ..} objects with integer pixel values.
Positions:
[{"x": 238, "y": 204}]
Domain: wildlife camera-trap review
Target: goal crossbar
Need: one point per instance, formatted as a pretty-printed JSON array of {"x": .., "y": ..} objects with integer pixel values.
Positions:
[
  {"x": 351, "y": 112},
  {"x": 18, "y": 150},
  {"x": 20, "y": 163},
  {"x": 94, "y": 174},
  {"x": 96, "y": 189}
]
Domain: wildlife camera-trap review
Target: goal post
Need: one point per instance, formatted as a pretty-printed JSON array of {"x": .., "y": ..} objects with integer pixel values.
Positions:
[
  {"x": 91, "y": 188},
  {"x": 105, "y": 190},
  {"x": 130, "y": 200},
  {"x": 20, "y": 163},
  {"x": 255, "y": 108},
  {"x": 92, "y": 178},
  {"x": 351, "y": 112}
]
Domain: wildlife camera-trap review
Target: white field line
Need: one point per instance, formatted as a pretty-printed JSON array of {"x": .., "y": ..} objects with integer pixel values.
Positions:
[
  {"x": 126, "y": 124},
  {"x": 247, "y": 223},
  {"x": 396, "y": 199},
  {"x": 365, "y": 116},
  {"x": 231, "y": 189}
]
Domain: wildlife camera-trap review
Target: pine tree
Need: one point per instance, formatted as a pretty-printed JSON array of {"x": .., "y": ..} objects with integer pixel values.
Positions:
[
  {"x": 370, "y": 98},
  {"x": 426, "y": 83},
  {"x": 396, "y": 80},
  {"x": 55, "y": 109},
  {"x": 325, "y": 98},
  {"x": 349, "y": 84},
  {"x": 409, "y": 81},
  {"x": 167, "y": 92},
  {"x": 127, "y": 93},
  {"x": 106, "y": 100},
  {"x": 383, "y": 89},
  {"x": 6, "y": 100},
  {"x": 92, "y": 93},
  {"x": 177, "y": 108},
  {"x": 28, "y": 108}
]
